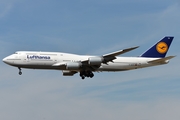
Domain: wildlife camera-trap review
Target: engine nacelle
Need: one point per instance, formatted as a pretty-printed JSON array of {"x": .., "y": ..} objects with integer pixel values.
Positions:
[
  {"x": 95, "y": 60},
  {"x": 73, "y": 66},
  {"x": 67, "y": 73}
]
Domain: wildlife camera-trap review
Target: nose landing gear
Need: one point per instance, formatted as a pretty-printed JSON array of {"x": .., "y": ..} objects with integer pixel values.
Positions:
[{"x": 20, "y": 73}]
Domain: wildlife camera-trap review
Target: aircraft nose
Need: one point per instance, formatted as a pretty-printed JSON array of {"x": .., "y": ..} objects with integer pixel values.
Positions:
[
  {"x": 9, "y": 59},
  {"x": 5, "y": 60}
]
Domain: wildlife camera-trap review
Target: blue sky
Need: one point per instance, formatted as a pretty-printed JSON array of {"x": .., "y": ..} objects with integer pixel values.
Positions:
[{"x": 89, "y": 27}]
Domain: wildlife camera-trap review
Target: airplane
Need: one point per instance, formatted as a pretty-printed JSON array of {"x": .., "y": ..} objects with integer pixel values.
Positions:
[{"x": 85, "y": 65}]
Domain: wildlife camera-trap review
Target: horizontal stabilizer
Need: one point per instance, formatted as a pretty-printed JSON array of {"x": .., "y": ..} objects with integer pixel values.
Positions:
[{"x": 161, "y": 60}]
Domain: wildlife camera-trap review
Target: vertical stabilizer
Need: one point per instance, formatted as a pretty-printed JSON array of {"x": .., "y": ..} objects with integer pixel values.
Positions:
[{"x": 160, "y": 49}]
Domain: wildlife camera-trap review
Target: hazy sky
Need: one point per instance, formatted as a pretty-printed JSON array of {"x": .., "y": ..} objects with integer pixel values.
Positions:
[{"x": 89, "y": 27}]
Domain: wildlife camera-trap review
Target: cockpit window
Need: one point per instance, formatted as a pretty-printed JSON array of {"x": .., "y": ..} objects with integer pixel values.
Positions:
[{"x": 16, "y": 53}]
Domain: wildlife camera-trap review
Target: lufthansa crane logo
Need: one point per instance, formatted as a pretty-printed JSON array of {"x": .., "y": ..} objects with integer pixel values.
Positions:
[{"x": 162, "y": 47}]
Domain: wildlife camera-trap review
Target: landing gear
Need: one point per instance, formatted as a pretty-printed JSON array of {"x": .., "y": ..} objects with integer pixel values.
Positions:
[
  {"x": 83, "y": 77},
  {"x": 20, "y": 73},
  {"x": 84, "y": 74},
  {"x": 91, "y": 75}
]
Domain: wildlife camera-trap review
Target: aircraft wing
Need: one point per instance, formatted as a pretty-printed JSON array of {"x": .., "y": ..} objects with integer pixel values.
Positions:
[
  {"x": 120, "y": 52},
  {"x": 65, "y": 72},
  {"x": 59, "y": 64},
  {"x": 111, "y": 56}
]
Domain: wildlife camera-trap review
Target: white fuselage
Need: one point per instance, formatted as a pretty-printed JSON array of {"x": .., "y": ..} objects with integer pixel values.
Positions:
[
  {"x": 48, "y": 60},
  {"x": 85, "y": 65}
]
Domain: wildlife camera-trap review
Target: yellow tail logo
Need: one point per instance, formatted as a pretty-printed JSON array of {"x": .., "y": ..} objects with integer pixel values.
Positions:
[{"x": 162, "y": 47}]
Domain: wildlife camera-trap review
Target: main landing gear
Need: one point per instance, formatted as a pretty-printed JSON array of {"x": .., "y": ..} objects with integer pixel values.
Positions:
[
  {"x": 20, "y": 73},
  {"x": 84, "y": 74}
]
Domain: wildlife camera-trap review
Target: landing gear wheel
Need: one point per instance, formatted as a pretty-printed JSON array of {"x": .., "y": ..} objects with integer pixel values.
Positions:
[
  {"x": 91, "y": 75},
  {"x": 83, "y": 77},
  {"x": 84, "y": 74},
  {"x": 20, "y": 73}
]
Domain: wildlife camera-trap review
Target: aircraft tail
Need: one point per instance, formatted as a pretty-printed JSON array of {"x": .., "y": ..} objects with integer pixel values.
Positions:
[{"x": 160, "y": 49}]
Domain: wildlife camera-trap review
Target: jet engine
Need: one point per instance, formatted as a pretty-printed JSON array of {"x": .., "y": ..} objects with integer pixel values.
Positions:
[
  {"x": 95, "y": 60},
  {"x": 68, "y": 73},
  {"x": 73, "y": 66}
]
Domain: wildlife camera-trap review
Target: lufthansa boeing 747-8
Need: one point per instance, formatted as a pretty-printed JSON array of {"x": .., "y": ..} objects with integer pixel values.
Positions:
[{"x": 71, "y": 64}]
